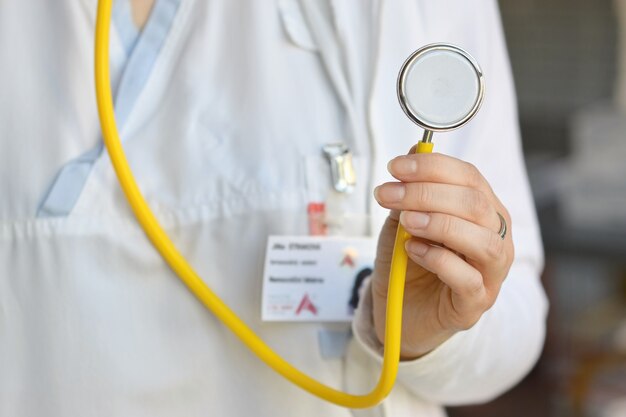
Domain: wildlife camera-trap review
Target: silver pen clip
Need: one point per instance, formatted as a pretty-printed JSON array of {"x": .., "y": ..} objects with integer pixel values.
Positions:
[{"x": 341, "y": 168}]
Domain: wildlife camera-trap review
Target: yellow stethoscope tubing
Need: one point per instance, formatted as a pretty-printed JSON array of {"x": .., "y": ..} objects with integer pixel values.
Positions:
[{"x": 194, "y": 282}]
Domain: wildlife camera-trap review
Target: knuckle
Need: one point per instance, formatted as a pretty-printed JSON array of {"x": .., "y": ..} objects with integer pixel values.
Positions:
[
  {"x": 436, "y": 162},
  {"x": 489, "y": 302},
  {"x": 494, "y": 247},
  {"x": 476, "y": 203},
  {"x": 468, "y": 321},
  {"x": 484, "y": 303},
  {"x": 437, "y": 258},
  {"x": 423, "y": 194},
  {"x": 510, "y": 252},
  {"x": 474, "y": 286},
  {"x": 448, "y": 227},
  {"x": 473, "y": 175}
]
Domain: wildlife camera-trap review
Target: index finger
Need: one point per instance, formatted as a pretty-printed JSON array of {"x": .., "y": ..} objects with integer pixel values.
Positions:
[{"x": 439, "y": 168}]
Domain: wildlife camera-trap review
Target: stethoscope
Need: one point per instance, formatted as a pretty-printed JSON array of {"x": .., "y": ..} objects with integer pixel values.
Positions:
[{"x": 440, "y": 88}]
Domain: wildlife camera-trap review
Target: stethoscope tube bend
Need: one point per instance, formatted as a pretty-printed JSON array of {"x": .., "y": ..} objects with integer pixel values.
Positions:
[{"x": 192, "y": 280}]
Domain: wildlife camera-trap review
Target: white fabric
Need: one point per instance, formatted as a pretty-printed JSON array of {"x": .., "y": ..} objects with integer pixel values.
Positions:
[{"x": 92, "y": 323}]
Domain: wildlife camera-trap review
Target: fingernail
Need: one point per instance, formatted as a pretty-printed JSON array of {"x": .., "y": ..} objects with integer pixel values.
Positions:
[
  {"x": 389, "y": 193},
  {"x": 402, "y": 165},
  {"x": 416, "y": 248},
  {"x": 414, "y": 219}
]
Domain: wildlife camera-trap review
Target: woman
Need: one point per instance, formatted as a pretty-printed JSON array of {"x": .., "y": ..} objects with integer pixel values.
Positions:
[{"x": 224, "y": 108}]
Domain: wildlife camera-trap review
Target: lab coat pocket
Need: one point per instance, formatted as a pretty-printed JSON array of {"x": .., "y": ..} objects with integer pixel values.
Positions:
[
  {"x": 236, "y": 169},
  {"x": 344, "y": 214},
  {"x": 201, "y": 166}
]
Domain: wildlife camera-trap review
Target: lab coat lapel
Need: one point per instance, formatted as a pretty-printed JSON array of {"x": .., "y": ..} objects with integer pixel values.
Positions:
[
  {"x": 324, "y": 34},
  {"x": 402, "y": 29}
]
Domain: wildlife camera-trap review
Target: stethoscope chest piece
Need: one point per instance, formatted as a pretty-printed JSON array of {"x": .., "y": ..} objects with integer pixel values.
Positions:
[{"x": 440, "y": 87}]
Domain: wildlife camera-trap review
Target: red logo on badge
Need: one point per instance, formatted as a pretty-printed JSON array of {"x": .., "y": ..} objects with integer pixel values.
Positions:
[
  {"x": 349, "y": 258},
  {"x": 306, "y": 304}
]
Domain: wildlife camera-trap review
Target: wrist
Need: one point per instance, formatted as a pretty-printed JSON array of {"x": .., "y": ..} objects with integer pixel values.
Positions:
[{"x": 409, "y": 353}]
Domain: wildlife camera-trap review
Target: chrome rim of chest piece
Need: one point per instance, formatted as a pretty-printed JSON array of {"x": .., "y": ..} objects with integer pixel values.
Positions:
[{"x": 440, "y": 87}]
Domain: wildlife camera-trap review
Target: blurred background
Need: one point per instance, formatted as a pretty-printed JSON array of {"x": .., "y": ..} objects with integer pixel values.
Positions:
[{"x": 569, "y": 61}]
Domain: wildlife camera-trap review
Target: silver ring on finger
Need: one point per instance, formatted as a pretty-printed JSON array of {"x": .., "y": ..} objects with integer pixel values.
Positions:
[{"x": 503, "y": 226}]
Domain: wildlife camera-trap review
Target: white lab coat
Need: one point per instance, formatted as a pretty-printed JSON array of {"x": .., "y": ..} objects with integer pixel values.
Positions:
[{"x": 225, "y": 142}]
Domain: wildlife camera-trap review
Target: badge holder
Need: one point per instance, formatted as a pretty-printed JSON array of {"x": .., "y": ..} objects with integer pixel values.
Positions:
[{"x": 315, "y": 278}]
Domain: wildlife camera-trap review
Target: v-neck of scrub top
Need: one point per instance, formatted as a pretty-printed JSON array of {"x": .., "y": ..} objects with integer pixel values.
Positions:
[{"x": 142, "y": 50}]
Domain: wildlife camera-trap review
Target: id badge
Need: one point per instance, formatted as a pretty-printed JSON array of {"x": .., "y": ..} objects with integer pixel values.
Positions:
[{"x": 313, "y": 278}]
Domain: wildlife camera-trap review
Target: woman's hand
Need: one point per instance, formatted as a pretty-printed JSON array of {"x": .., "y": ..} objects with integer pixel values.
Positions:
[{"x": 457, "y": 259}]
